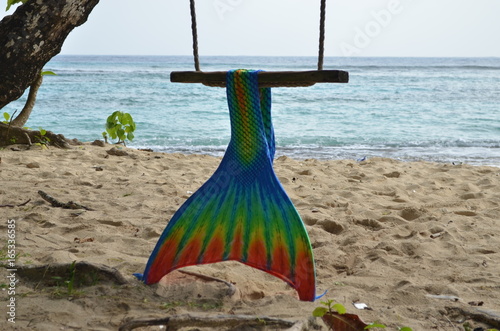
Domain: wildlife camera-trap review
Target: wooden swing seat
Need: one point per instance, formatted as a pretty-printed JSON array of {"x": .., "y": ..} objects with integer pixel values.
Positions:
[{"x": 266, "y": 78}]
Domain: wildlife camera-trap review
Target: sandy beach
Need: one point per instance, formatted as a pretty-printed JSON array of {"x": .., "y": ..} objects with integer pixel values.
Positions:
[{"x": 417, "y": 242}]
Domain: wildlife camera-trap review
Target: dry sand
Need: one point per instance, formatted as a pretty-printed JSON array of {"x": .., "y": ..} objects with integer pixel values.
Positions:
[{"x": 416, "y": 241}]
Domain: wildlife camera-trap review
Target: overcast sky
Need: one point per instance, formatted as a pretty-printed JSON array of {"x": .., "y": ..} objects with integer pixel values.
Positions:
[{"x": 290, "y": 27}]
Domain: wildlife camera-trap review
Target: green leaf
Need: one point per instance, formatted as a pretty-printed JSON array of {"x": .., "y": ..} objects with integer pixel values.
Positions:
[
  {"x": 130, "y": 136},
  {"x": 112, "y": 117},
  {"x": 126, "y": 119},
  {"x": 6, "y": 116},
  {"x": 43, "y": 132},
  {"x": 119, "y": 116},
  {"x": 120, "y": 133},
  {"x": 405, "y": 328},
  {"x": 375, "y": 325},
  {"x": 111, "y": 132},
  {"x": 48, "y": 73},
  {"x": 339, "y": 308},
  {"x": 319, "y": 311},
  {"x": 13, "y": 2}
]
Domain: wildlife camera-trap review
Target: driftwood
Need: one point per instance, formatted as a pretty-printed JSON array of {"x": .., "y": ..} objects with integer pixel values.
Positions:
[
  {"x": 490, "y": 318},
  {"x": 56, "y": 203},
  {"x": 222, "y": 321},
  {"x": 18, "y": 205}
]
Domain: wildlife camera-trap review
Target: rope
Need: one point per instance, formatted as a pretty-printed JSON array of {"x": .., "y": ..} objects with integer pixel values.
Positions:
[
  {"x": 195, "y": 36},
  {"x": 322, "y": 35},
  {"x": 321, "y": 51}
]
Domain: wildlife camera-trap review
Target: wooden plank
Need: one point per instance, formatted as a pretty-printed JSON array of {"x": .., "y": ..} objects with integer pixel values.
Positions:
[{"x": 266, "y": 78}]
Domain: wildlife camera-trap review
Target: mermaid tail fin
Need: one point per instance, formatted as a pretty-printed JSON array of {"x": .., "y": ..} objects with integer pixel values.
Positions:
[{"x": 242, "y": 212}]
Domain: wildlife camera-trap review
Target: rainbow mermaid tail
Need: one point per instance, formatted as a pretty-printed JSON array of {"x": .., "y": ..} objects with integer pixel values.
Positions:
[{"x": 242, "y": 212}]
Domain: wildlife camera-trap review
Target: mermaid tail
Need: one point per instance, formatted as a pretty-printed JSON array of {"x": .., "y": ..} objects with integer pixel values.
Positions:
[{"x": 242, "y": 212}]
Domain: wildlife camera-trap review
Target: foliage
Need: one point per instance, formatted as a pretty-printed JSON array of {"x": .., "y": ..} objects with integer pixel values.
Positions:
[
  {"x": 69, "y": 283},
  {"x": 48, "y": 73},
  {"x": 43, "y": 140},
  {"x": 6, "y": 116},
  {"x": 333, "y": 308},
  {"x": 13, "y": 2},
  {"x": 120, "y": 125}
]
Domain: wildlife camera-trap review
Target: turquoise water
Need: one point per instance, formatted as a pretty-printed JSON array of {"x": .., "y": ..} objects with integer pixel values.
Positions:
[{"x": 435, "y": 109}]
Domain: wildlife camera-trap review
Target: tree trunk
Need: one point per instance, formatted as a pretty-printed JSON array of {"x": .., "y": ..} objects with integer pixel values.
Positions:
[
  {"x": 24, "y": 115},
  {"x": 31, "y": 36}
]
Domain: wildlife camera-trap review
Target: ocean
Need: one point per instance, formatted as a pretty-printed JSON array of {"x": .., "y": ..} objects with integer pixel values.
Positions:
[{"x": 430, "y": 109}]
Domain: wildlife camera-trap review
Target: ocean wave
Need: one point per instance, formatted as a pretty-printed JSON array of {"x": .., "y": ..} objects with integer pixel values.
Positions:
[{"x": 469, "y": 155}]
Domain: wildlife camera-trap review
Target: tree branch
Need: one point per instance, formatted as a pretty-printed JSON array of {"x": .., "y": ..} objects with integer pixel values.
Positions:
[{"x": 25, "y": 113}]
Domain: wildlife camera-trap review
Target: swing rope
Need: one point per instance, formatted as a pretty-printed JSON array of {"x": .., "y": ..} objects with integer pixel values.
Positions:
[
  {"x": 194, "y": 31},
  {"x": 266, "y": 78},
  {"x": 321, "y": 52}
]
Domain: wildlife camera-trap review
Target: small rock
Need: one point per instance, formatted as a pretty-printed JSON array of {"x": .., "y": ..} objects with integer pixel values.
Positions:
[
  {"x": 33, "y": 165},
  {"x": 117, "y": 152},
  {"x": 99, "y": 143},
  {"x": 74, "y": 142},
  {"x": 470, "y": 195}
]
